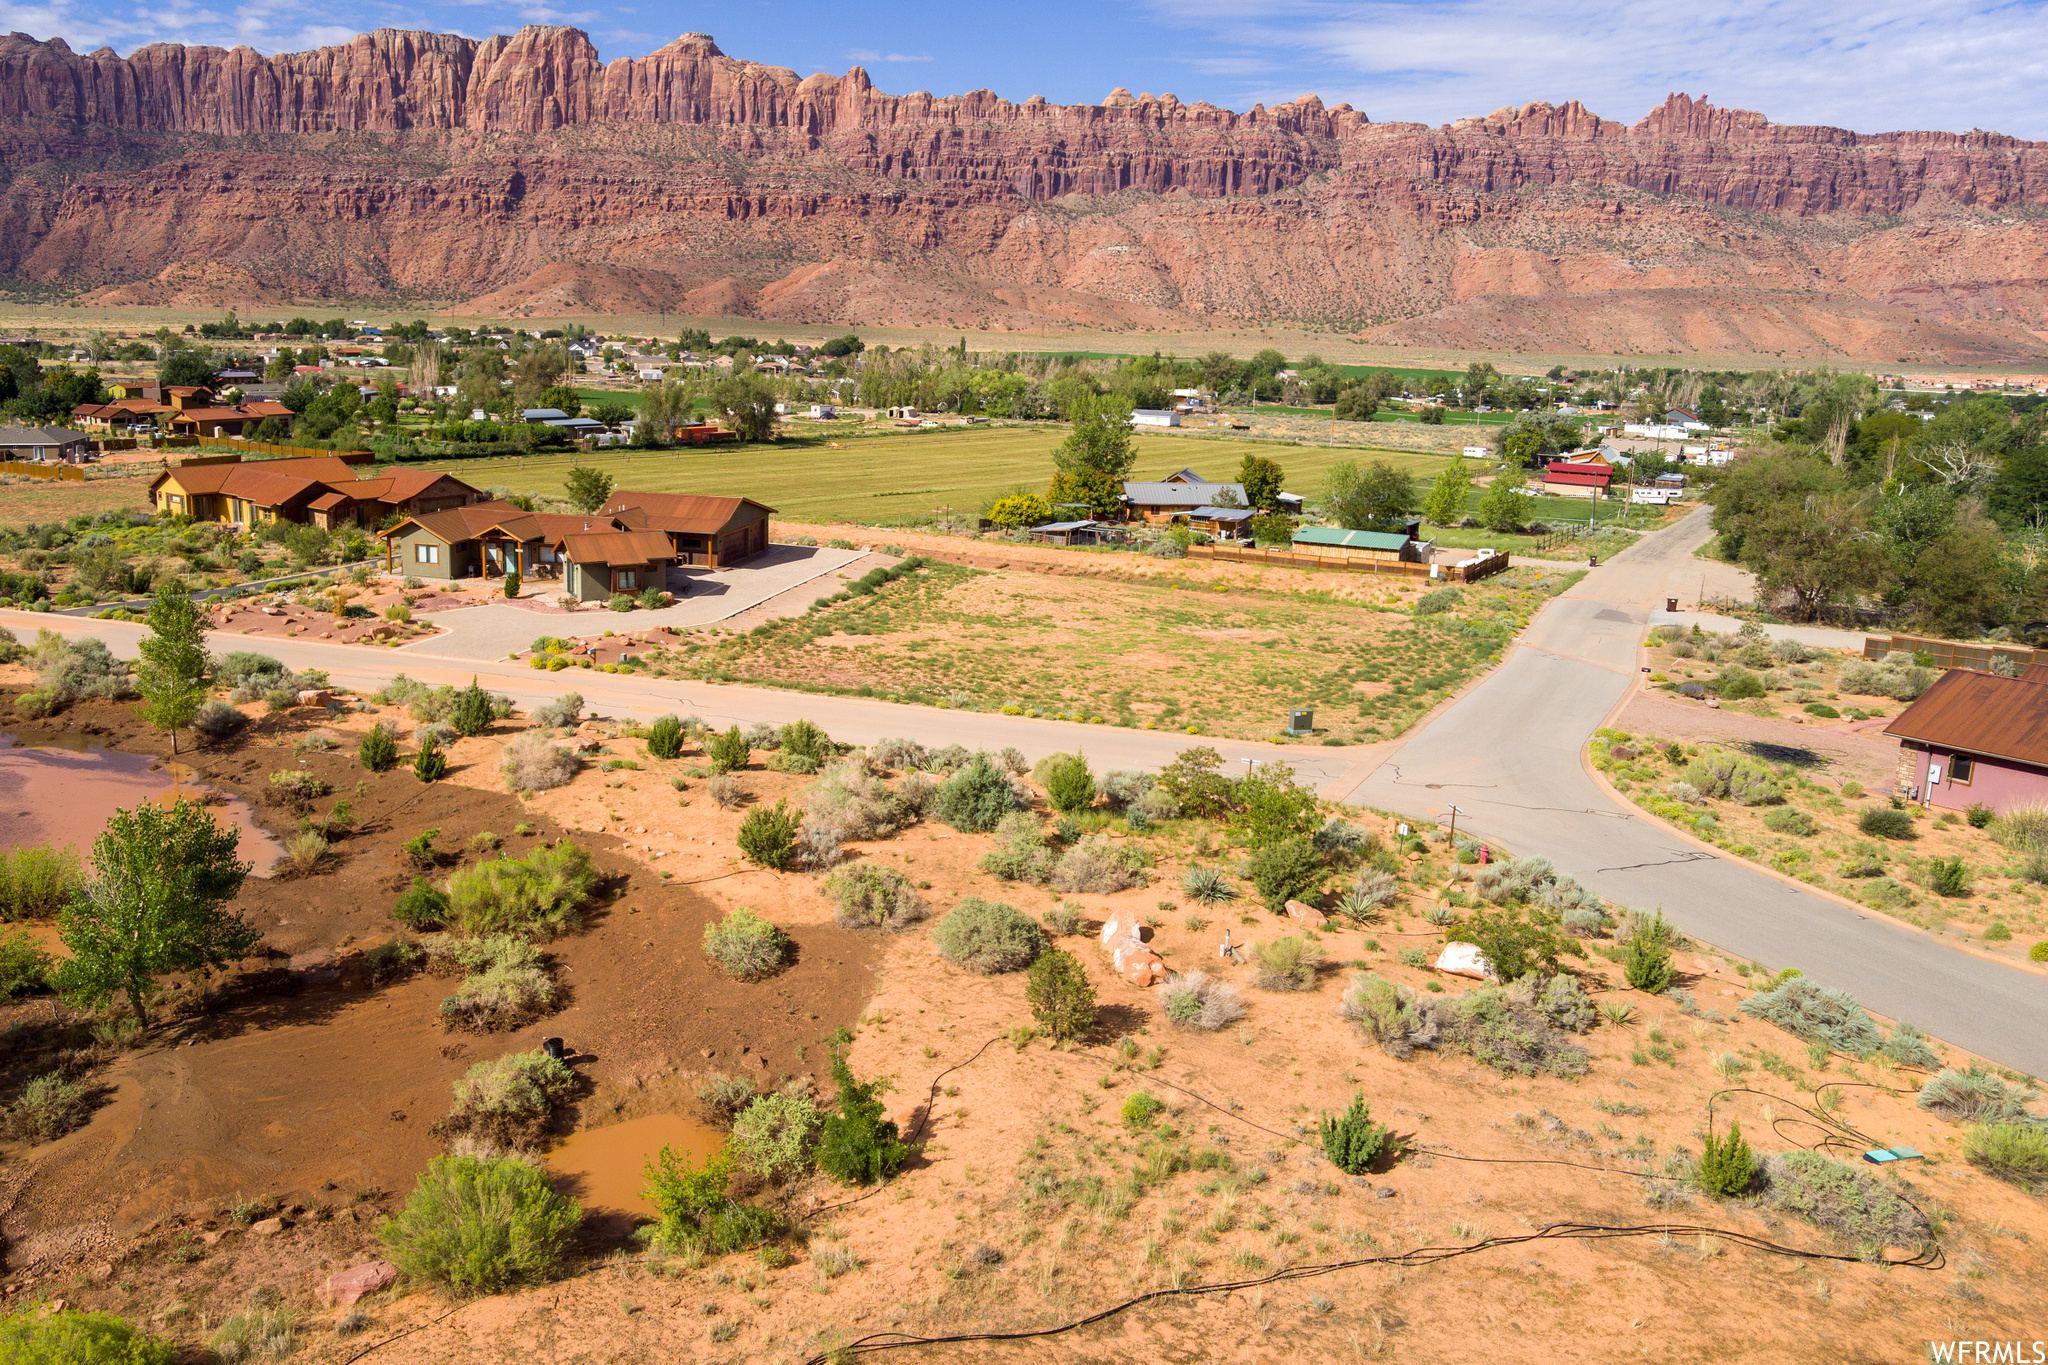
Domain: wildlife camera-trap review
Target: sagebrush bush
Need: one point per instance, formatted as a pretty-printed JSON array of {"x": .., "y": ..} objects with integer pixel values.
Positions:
[
  {"x": 746, "y": 946},
  {"x": 1369, "y": 896},
  {"x": 1390, "y": 1015},
  {"x": 541, "y": 894},
  {"x": 1343, "y": 839},
  {"x": 728, "y": 791},
  {"x": 506, "y": 1104},
  {"x": 48, "y": 1107},
  {"x": 904, "y": 755},
  {"x": 855, "y": 804},
  {"x": 561, "y": 713},
  {"x": 1840, "y": 1199},
  {"x": 1511, "y": 1036},
  {"x": 1020, "y": 853},
  {"x": 535, "y": 763},
  {"x": 1731, "y": 777},
  {"x": 502, "y": 997},
  {"x": 723, "y": 1097},
  {"x": 80, "y": 670},
  {"x": 2013, "y": 1152},
  {"x": 1121, "y": 788},
  {"x": 1973, "y": 1095},
  {"x": 988, "y": 937},
  {"x": 218, "y": 719},
  {"x": 1287, "y": 964},
  {"x": 1908, "y": 1046},
  {"x": 776, "y": 1137},
  {"x": 1064, "y": 919},
  {"x": 1790, "y": 820},
  {"x": 1099, "y": 864},
  {"x": 478, "y": 1225},
  {"x": 976, "y": 797},
  {"x": 870, "y": 896},
  {"x": 1196, "y": 1000},
  {"x": 37, "y": 1335},
  {"x": 1816, "y": 1014},
  {"x": 1899, "y": 679},
  {"x": 1563, "y": 1002},
  {"x": 1885, "y": 823}
]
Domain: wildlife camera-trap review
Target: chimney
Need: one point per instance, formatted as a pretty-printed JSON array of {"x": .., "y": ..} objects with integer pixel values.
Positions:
[{"x": 586, "y": 523}]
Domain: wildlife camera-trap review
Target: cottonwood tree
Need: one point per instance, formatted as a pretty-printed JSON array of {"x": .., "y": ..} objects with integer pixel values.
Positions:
[
  {"x": 1362, "y": 499},
  {"x": 171, "y": 673},
  {"x": 157, "y": 903},
  {"x": 1960, "y": 467},
  {"x": 747, "y": 402},
  {"x": 1819, "y": 548},
  {"x": 1100, "y": 443},
  {"x": 1445, "y": 505},
  {"x": 1261, "y": 478},
  {"x": 588, "y": 488}
]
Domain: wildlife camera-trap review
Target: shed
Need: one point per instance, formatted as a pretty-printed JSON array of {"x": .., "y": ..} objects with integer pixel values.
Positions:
[
  {"x": 1155, "y": 417},
  {"x": 1068, "y": 532},
  {"x": 1334, "y": 542},
  {"x": 1235, "y": 522}
]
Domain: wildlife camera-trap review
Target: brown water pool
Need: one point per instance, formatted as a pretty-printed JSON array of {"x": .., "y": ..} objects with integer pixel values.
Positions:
[
  {"x": 61, "y": 790},
  {"x": 605, "y": 1168}
]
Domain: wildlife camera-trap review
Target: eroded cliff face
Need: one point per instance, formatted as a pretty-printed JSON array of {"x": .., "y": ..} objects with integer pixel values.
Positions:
[{"x": 526, "y": 169}]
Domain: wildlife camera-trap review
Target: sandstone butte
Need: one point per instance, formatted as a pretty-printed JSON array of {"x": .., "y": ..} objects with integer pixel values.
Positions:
[{"x": 527, "y": 176}]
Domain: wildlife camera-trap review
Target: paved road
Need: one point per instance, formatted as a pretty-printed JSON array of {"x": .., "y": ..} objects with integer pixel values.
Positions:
[{"x": 1508, "y": 754}]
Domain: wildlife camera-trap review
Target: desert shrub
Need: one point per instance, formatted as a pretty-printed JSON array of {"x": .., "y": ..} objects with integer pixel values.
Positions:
[
  {"x": 246, "y": 668},
  {"x": 378, "y": 750},
  {"x": 761, "y": 735},
  {"x": 723, "y": 1097},
  {"x": 1564, "y": 1003},
  {"x": 1584, "y": 922},
  {"x": 1369, "y": 896},
  {"x": 1020, "y": 853},
  {"x": 1286, "y": 870},
  {"x": 1516, "y": 879},
  {"x": 1734, "y": 683},
  {"x": 1515, "y": 940},
  {"x": 542, "y": 893},
  {"x": 429, "y": 764},
  {"x": 1207, "y": 885},
  {"x": 534, "y": 763},
  {"x": 988, "y": 937},
  {"x": 472, "y": 712},
  {"x": 1342, "y": 839},
  {"x": 1840, "y": 1199},
  {"x": 805, "y": 739},
  {"x": 1069, "y": 785},
  {"x": 1099, "y": 864},
  {"x": 1436, "y": 600},
  {"x": 1064, "y": 919},
  {"x": 790, "y": 761},
  {"x": 295, "y": 788},
  {"x": 1197, "y": 1000},
  {"x": 697, "y": 1214},
  {"x": 1974, "y": 1095},
  {"x": 775, "y": 1137},
  {"x": 1647, "y": 963},
  {"x": 394, "y": 957},
  {"x": 728, "y": 791},
  {"x": 48, "y": 1107},
  {"x": 1948, "y": 876},
  {"x": 1058, "y": 991},
  {"x": 1727, "y": 1166},
  {"x": 1908, "y": 1046},
  {"x": 1980, "y": 815},
  {"x": 745, "y": 945},
  {"x": 36, "y": 883},
  {"x": 975, "y": 797},
  {"x": 218, "y": 719},
  {"x": 1730, "y": 777},
  {"x": 1790, "y": 820},
  {"x": 1139, "y": 1111},
  {"x": 476, "y": 1225},
  {"x": 1122, "y": 788},
  {"x": 1816, "y": 1014},
  {"x": 665, "y": 737},
  {"x": 768, "y": 835},
  {"x": 1287, "y": 964},
  {"x": 561, "y": 713},
  {"x": 1352, "y": 1141},
  {"x": 24, "y": 965},
  {"x": 2013, "y": 1152},
  {"x": 729, "y": 752},
  {"x": 857, "y": 1144},
  {"x": 304, "y": 853},
  {"x": 506, "y": 1104},
  {"x": 504, "y": 996},
  {"x": 855, "y": 804},
  {"x": 1897, "y": 678},
  {"x": 904, "y": 755},
  {"x": 42, "y": 1335},
  {"x": 421, "y": 906},
  {"x": 1510, "y": 1036},
  {"x": 1390, "y": 1015},
  {"x": 870, "y": 896},
  {"x": 81, "y": 670},
  {"x": 917, "y": 792}
]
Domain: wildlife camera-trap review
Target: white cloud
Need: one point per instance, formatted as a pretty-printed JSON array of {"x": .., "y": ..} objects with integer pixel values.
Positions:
[
  {"x": 1875, "y": 66},
  {"x": 868, "y": 54}
]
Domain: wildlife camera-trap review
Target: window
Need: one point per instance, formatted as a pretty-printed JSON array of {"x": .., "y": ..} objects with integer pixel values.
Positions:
[
  {"x": 426, "y": 554},
  {"x": 625, "y": 580},
  {"x": 1961, "y": 768}
]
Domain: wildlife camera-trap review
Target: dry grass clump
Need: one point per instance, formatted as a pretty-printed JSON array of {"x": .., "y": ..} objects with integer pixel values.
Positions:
[
  {"x": 728, "y": 791},
  {"x": 1100, "y": 865},
  {"x": 304, "y": 853},
  {"x": 533, "y": 763},
  {"x": 1287, "y": 964},
  {"x": 1196, "y": 1000}
]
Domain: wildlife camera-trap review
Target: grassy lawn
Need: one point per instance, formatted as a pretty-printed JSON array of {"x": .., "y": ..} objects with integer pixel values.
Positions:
[
  {"x": 886, "y": 478},
  {"x": 1167, "y": 656}
]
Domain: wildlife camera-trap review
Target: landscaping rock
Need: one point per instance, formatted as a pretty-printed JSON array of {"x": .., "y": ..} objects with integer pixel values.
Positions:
[
  {"x": 1465, "y": 959},
  {"x": 1139, "y": 965},
  {"x": 313, "y": 698},
  {"x": 1306, "y": 914},
  {"x": 344, "y": 1287},
  {"x": 267, "y": 1227}
]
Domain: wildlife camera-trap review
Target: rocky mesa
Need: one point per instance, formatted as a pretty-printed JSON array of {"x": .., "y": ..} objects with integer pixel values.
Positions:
[{"x": 528, "y": 171}]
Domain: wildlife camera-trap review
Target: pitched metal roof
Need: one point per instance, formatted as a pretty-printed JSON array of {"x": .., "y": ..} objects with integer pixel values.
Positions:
[
  {"x": 1356, "y": 540},
  {"x": 1980, "y": 713},
  {"x": 1581, "y": 474},
  {"x": 683, "y": 513},
  {"x": 617, "y": 547},
  {"x": 1179, "y": 494},
  {"x": 1225, "y": 513},
  {"x": 40, "y": 436}
]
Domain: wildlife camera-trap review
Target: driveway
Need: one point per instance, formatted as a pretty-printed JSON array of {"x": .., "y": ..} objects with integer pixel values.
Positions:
[
  {"x": 703, "y": 597},
  {"x": 1508, "y": 755}
]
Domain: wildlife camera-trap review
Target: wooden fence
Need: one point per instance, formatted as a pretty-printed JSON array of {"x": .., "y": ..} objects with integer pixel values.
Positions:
[
  {"x": 301, "y": 452},
  {"x": 1948, "y": 653},
  {"x": 70, "y": 473},
  {"x": 1288, "y": 559}
]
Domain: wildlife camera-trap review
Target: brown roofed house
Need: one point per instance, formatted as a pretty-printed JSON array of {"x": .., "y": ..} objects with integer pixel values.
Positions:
[
  {"x": 1978, "y": 739},
  {"x": 711, "y": 531}
]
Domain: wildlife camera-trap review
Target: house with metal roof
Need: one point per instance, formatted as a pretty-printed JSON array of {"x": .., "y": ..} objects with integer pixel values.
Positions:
[
  {"x": 317, "y": 490},
  {"x": 1170, "y": 499},
  {"x": 1335, "y": 542},
  {"x": 705, "y": 530},
  {"x": 1234, "y": 522},
  {"x": 1577, "y": 479},
  {"x": 1978, "y": 738}
]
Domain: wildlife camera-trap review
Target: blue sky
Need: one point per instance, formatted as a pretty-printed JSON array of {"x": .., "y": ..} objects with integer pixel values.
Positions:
[{"x": 1873, "y": 66}]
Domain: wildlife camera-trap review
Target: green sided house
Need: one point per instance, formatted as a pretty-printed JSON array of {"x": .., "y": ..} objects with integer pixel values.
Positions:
[
  {"x": 592, "y": 556},
  {"x": 707, "y": 531},
  {"x": 599, "y": 563}
]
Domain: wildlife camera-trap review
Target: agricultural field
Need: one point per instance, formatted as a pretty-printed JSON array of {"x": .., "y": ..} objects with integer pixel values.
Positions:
[
  {"x": 1208, "y": 658},
  {"x": 880, "y": 480}
]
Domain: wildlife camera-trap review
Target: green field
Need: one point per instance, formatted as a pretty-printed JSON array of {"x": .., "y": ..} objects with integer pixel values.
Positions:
[{"x": 884, "y": 479}]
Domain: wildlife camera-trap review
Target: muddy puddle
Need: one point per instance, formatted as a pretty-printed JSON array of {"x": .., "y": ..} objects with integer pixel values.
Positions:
[
  {"x": 61, "y": 790},
  {"x": 606, "y": 1167}
]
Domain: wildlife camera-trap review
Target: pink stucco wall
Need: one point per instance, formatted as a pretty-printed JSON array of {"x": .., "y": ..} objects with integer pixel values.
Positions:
[{"x": 1996, "y": 783}]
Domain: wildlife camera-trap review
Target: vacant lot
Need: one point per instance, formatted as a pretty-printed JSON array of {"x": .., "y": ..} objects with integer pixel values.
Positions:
[
  {"x": 41, "y": 500},
  {"x": 882, "y": 479},
  {"x": 1167, "y": 655}
]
